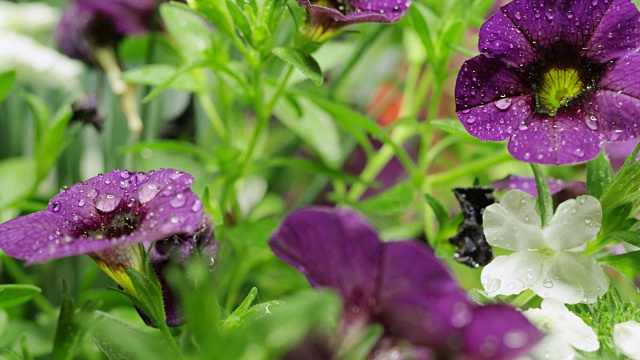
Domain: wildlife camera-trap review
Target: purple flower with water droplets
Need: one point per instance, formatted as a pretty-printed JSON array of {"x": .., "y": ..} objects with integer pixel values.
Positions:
[
  {"x": 87, "y": 24},
  {"x": 324, "y": 17},
  {"x": 399, "y": 284},
  {"x": 115, "y": 218},
  {"x": 555, "y": 78}
]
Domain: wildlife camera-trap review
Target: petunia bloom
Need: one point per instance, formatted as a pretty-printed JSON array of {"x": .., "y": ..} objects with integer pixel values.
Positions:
[
  {"x": 87, "y": 24},
  {"x": 564, "y": 330},
  {"x": 555, "y": 78},
  {"x": 114, "y": 218},
  {"x": 625, "y": 338},
  {"x": 399, "y": 284},
  {"x": 542, "y": 258},
  {"x": 324, "y": 17}
]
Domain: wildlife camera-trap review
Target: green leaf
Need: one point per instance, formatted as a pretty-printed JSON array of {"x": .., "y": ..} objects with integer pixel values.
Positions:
[
  {"x": 7, "y": 79},
  {"x": 307, "y": 165},
  {"x": 53, "y": 142},
  {"x": 631, "y": 237},
  {"x": 362, "y": 348},
  {"x": 301, "y": 61},
  {"x": 453, "y": 127},
  {"x": 314, "y": 126},
  {"x": 390, "y": 202},
  {"x": 41, "y": 116},
  {"x": 628, "y": 264},
  {"x": 149, "y": 294},
  {"x": 72, "y": 326},
  {"x": 119, "y": 341},
  {"x": 441, "y": 212},
  {"x": 17, "y": 180},
  {"x": 240, "y": 20},
  {"x": 545, "y": 202},
  {"x": 217, "y": 13},
  {"x": 173, "y": 146},
  {"x": 165, "y": 76},
  {"x": 599, "y": 175},
  {"x": 187, "y": 29},
  {"x": 14, "y": 294},
  {"x": 7, "y": 354}
]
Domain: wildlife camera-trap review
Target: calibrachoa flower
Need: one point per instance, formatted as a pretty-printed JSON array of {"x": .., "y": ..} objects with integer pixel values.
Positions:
[
  {"x": 564, "y": 330},
  {"x": 555, "y": 77},
  {"x": 625, "y": 338},
  {"x": 87, "y": 24},
  {"x": 114, "y": 218},
  {"x": 326, "y": 16},
  {"x": 542, "y": 258},
  {"x": 398, "y": 284}
]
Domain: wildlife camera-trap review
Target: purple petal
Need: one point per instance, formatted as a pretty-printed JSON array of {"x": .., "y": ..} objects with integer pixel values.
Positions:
[
  {"x": 419, "y": 299},
  {"x": 104, "y": 212},
  {"x": 556, "y": 140},
  {"x": 500, "y": 37},
  {"x": 498, "y": 332},
  {"x": 617, "y": 33},
  {"x": 619, "y": 151},
  {"x": 356, "y": 11},
  {"x": 538, "y": 21},
  {"x": 336, "y": 248},
  {"x": 557, "y": 187}
]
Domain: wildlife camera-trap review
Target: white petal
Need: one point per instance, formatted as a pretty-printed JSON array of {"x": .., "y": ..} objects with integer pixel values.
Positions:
[
  {"x": 514, "y": 223},
  {"x": 552, "y": 347},
  {"x": 575, "y": 222},
  {"x": 512, "y": 274},
  {"x": 571, "y": 278},
  {"x": 626, "y": 337},
  {"x": 569, "y": 326}
]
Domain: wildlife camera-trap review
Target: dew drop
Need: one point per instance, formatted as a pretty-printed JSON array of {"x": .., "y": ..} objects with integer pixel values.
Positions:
[
  {"x": 518, "y": 15},
  {"x": 578, "y": 152},
  {"x": 107, "y": 202},
  {"x": 178, "y": 201},
  {"x": 176, "y": 175},
  {"x": 588, "y": 220},
  {"x": 93, "y": 193},
  {"x": 81, "y": 202},
  {"x": 148, "y": 192},
  {"x": 125, "y": 174},
  {"x": 493, "y": 285},
  {"x": 503, "y": 104},
  {"x": 197, "y": 205},
  {"x": 471, "y": 119},
  {"x": 547, "y": 283},
  {"x": 175, "y": 219},
  {"x": 56, "y": 206}
]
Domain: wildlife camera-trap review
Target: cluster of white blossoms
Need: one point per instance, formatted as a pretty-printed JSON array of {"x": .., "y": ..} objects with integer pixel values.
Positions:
[{"x": 548, "y": 261}]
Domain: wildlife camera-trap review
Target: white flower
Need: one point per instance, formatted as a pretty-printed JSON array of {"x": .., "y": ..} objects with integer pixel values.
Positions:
[
  {"x": 542, "y": 260},
  {"x": 626, "y": 337},
  {"x": 564, "y": 330},
  {"x": 28, "y": 18},
  {"x": 38, "y": 64}
]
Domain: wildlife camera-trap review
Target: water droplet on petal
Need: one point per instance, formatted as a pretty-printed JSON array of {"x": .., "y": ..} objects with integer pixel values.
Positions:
[
  {"x": 503, "y": 104},
  {"x": 148, "y": 192},
  {"x": 175, "y": 219},
  {"x": 578, "y": 152},
  {"x": 93, "y": 193},
  {"x": 178, "y": 201},
  {"x": 107, "y": 202},
  {"x": 125, "y": 174},
  {"x": 56, "y": 206},
  {"x": 197, "y": 205},
  {"x": 176, "y": 175},
  {"x": 547, "y": 283},
  {"x": 81, "y": 202}
]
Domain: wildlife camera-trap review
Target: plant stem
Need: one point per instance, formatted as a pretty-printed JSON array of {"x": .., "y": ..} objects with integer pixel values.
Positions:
[{"x": 164, "y": 330}]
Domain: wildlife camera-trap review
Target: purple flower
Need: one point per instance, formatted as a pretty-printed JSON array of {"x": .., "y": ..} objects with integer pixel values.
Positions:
[
  {"x": 326, "y": 16},
  {"x": 398, "y": 284},
  {"x": 555, "y": 77},
  {"x": 87, "y": 24},
  {"x": 619, "y": 151},
  {"x": 560, "y": 190},
  {"x": 114, "y": 218}
]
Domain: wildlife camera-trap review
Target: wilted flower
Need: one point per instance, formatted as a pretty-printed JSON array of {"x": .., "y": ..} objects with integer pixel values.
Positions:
[
  {"x": 542, "y": 258},
  {"x": 398, "y": 284},
  {"x": 473, "y": 247},
  {"x": 564, "y": 330},
  {"x": 556, "y": 78},
  {"x": 114, "y": 218},
  {"x": 326, "y": 16},
  {"x": 625, "y": 338},
  {"x": 87, "y": 24}
]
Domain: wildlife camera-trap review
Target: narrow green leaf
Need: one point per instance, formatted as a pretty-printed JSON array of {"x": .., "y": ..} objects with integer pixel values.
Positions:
[
  {"x": 628, "y": 264},
  {"x": 240, "y": 20},
  {"x": 442, "y": 215},
  {"x": 119, "y": 341},
  {"x": 17, "y": 180},
  {"x": 188, "y": 30},
  {"x": 453, "y": 127},
  {"x": 390, "y": 202},
  {"x": 6, "y": 83},
  {"x": 301, "y": 61},
  {"x": 7, "y": 354},
  {"x": 149, "y": 294},
  {"x": 545, "y": 202},
  {"x": 173, "y": 146},
  {"x": 217, "y": 13},
  {"x": 164, "y": 76},
  {"x": 246, "y": 303},
  {"x": 14, "y": 294},
  {"x": 72, "y": 325},
  {"x": 41, "y": 115},
  {"x": 631, "y": 237},
  {"x": 599, "y": 175},
  {"x": 308, "y": 165}
]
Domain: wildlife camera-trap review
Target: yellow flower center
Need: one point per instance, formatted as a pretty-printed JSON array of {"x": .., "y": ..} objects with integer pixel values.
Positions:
[{"x": 558, "y": 87}]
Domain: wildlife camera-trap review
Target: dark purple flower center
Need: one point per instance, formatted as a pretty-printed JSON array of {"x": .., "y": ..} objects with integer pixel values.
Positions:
[
  {"x": 121, "y": 224},
  {"x": 561, "y": 78},
  {"x": 344, "y": 6}
]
